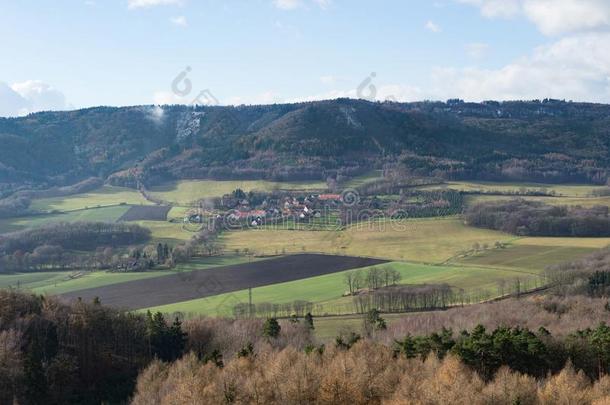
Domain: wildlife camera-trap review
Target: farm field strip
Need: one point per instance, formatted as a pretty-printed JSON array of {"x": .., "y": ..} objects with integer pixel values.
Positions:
[
  {"x": 196, "y": 284},
  {"x": 593, "y": 243},
  {"x": 104, "y": 196},
  {"x": 146, "y": 213},
  {"x": 526, "y": 257},
  {"x": 107, "y": 214},
  {"x": 582, "y": 201},
  {"x": 567, "y": 190},
  {"x": 184, "y": 192},
  {"x": 329, "y": 327},
  {"x": 421, "y": 240},
  {"x": 326, "y": 291},
  {"x": 60, "y": 282}
]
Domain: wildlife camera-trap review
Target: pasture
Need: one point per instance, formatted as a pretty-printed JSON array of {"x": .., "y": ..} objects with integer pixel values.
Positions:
[
  {"x": 564, "y": 190},
  {"x": 104, "y": 196},
  {"x": 217, "y": 281},
  {"x": 581, "y": 201},
  {"x": 433, "y": 240},
  {"x": 146, "y": 213},
  {"x": 185, "y": 192},
  {"x": 105, "y": 214},
  {"x": 430, "y": 250},
  {"x": 526, "y": 256},
  {"x": 326, "y": 291},
  {"x": 60, "y": 282}
]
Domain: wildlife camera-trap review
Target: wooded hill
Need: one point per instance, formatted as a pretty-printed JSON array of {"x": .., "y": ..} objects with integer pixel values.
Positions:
[{"x": 550, "y": 141}]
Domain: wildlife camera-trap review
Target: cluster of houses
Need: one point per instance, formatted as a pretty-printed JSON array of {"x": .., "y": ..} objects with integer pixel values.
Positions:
[{"x": 299, "y": 208}]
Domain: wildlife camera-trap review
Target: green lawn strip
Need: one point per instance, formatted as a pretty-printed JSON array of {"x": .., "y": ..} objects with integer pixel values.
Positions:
[
  {"x": 29, "y": 281},
  {"x": 565, "y": 190},
  {"x": 327, "y": 290},
  {"x": 95, "y": 279},
  {"x": 60, "y": 282},
  {"x": 327, "y": 328},
  {"x": 104, "y": 196},
  {"x": 531, "y": 257},
  {"x": 559, "y": 200},
  {"x": 187, "y": 191},
  {"x": 363, "y": 179},
  {"x": 106, "y": 214}
]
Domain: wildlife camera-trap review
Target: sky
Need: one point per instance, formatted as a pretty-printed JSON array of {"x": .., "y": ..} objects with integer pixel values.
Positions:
[{"x": 70, "y": 54}]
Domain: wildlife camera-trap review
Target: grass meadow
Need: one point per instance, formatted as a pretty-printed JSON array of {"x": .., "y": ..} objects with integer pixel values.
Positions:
[
  {"x": 104, "y": 196},
  {"x": 433, "y": 250},
  {"x": 433, "y": 240},
  {"x": 327, "y": 291},
  {"x": 564, "y": 190},
  {"x": 59, "y": 282},
  {"x": 105, "y": 214},
  {"x": 185, "y": 192}
]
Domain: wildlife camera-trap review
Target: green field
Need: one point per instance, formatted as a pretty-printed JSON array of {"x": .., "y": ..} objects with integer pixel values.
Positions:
[
  {"x": 582, "y": 201},
  {"x": 363, "y": 179},
  {"x": 185, "y": 192},
  {"x": 327, "y": 291},
  {"x": 430, "y": 250},
  {"x": 423, "y": 240},
  {"x": 526, "y": 257},
  {"x": 106, "y": 214},
  {"x": 329, "y": 327},
  {"x": 565, "y": 190},
  {"x": 60, "y": 282},
  {"x": 166, "y": 232},
  {"x": 104, "y": 196},
  {"x": 593, "y": 243}
]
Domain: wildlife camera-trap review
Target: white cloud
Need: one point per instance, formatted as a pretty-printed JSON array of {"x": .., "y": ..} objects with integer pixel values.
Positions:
[
  {"x": 551, "y": 17},
  {"x": 268, "y": 97},
  {"x": 433, "y": 27},
  {"x": 134, "y": 4},
  {"x": 496, "y": 8},
  {"x": 329, "y": 79},
  {"x": 554, "y": 17},
  {"x": 294, "y": 4},
  {"x": 11, "y": 103},
  {"x": 287, "y": 4},
  {"x": 167, "y": 97},
  {"x": 179, "y": 21},
  {"x": 29, "y": 96},
  {"x": 477, "y": 50},
  {"x": 40, "y": 95},
  {"x": 576, "y": 68}
]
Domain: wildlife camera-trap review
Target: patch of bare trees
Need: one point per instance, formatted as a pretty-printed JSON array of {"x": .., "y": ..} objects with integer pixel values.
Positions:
[{"x": 372, "y": 278}]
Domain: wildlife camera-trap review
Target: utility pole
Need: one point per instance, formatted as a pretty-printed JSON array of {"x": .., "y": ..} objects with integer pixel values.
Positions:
[{"x": 250, "y": 302}]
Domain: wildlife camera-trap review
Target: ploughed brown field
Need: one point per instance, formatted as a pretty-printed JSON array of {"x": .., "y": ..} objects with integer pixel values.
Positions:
[
  {"x": 146, "y": 213},
  {"x": 219, "y": 280}
]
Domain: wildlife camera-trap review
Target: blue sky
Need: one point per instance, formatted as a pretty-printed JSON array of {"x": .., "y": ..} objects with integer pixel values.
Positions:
[{"x": 73, "y": 54}]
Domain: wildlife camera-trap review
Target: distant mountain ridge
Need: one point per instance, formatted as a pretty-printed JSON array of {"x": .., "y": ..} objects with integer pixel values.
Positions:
[{"x": 549, "y": 140}]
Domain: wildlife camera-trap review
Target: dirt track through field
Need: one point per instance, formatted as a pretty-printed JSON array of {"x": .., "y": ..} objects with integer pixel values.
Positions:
[{"x": 219, "y": 280}]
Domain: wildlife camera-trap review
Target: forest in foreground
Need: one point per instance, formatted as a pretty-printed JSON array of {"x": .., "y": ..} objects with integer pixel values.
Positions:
[{"x": 556, "y": 350}]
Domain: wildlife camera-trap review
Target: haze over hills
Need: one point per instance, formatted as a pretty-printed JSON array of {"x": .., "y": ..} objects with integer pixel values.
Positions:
[{"x": 550, "y": 141}]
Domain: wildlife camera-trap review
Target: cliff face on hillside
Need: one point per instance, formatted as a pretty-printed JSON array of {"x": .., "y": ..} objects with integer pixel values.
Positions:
[{"x": 546, "y": 140}]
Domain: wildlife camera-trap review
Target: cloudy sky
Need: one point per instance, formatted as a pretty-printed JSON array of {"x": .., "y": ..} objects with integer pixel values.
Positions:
[{"x": 72, "y": 54}]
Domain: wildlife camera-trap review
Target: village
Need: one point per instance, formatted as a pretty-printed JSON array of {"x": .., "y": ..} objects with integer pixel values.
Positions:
[{"x": 255, "y": 209}]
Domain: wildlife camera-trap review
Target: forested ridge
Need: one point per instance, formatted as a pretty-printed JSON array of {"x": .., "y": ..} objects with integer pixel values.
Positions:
[{"x": 547, "y": 141}]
